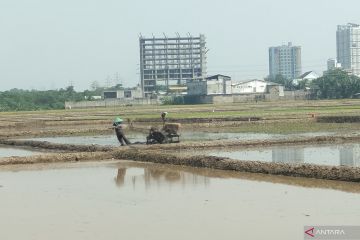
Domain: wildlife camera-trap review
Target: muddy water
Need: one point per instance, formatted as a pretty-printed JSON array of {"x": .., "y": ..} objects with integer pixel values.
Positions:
[
  {"x": 9, "y": 152},
  {"x": 334, "y": 155},
  {"x": 138, "y": 137},
  {"x": 148, "y": 201},
  {"x": 185, "y": 136}
]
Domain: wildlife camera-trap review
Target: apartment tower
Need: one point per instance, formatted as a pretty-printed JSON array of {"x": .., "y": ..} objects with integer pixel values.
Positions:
[
  {"x": 285, "y": 60},
  {"x": 348, "y": 47}
]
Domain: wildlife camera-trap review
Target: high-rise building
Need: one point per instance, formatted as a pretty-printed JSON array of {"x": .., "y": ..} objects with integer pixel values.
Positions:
[
  {"x": 166, "y": 62},
  {"x": 348, "y": 47},
  {"x": 332, "y": 64},
  {"x": 285, "y": 60}
]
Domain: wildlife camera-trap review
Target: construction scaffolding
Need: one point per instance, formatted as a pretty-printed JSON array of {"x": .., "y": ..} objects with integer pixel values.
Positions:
[{"x": 171, "y": 62}]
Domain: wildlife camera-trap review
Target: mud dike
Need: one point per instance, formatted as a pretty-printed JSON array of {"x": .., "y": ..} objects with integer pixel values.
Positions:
[{"x": 157, "y": 154}]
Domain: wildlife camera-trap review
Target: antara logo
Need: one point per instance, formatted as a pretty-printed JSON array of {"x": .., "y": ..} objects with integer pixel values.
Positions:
[
  {"x": 310, "y": 232},
  {"x": 324, "y": 232}
]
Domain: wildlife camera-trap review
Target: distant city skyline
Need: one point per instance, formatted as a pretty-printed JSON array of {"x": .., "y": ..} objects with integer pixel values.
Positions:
[{"x": 47, "y": 44}]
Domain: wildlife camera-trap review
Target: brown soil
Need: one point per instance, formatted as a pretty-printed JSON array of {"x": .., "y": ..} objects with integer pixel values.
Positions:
[
  {"x": 185, "y": 145},
  {"x": 341, "y": 173},
  {"x": 56, "y": 157},
  {"x": 155, "y": 155},
  {"x": 207, "y": 172},
  {"x": 256, "y": 143},
  {"x": 338, "y": 119},
  {"x": 56, "y": 146}
]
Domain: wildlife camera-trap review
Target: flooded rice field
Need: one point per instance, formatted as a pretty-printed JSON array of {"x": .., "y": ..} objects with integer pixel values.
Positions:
[
  {"x": 137, "y": 137},
  {"x": 6, "y": 151},
  {"x": 333, "y": 155},
  {"x": 128, "y": 200}
]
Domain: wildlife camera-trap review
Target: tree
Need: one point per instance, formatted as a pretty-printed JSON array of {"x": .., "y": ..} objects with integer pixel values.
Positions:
[
  {"x": 94, "y": 86},
  {"x": 336, "y": 84},
  {"x": 280, "y": 79},
  {"x": 23, "y": 100}
]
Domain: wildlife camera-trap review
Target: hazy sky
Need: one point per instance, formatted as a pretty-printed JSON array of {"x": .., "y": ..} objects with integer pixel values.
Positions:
[{"x": 47, "y": 44}]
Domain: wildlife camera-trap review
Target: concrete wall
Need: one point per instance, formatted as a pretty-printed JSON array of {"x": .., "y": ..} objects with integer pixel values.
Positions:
[
  {"x": 196, "y": 88},
  {"x": 296, "y": 95},
  {"x": 228, "y": 87},
  {"x": 215, "y": 87},
  {"x": 209, "y": 87},
  {"x": 238, "y": 98},
  {"x": 135, "y": 93},
  {"x": 110, "y": 103}
]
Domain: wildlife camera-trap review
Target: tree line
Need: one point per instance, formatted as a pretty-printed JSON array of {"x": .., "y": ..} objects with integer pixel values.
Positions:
[
  {"x": 29, "y": 100},
  {"x": 334, "y": 84}
]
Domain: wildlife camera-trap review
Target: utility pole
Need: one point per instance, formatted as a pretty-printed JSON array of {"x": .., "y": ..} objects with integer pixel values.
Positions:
[{"x": 108, "y": 82}]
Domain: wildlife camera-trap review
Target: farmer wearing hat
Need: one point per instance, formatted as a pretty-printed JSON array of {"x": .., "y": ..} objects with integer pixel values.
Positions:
[
  {"x": 119, "y": 130},
  {"x": 163, "y": 117}
]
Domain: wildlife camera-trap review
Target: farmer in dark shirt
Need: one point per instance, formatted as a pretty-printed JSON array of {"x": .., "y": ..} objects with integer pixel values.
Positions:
[
  {"x": 119, "y": 130},
  {"x": 163, "y": 117}
]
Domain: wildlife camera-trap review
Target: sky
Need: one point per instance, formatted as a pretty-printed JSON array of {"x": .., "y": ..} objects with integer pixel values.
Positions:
[{"x": 47, "y": 44}]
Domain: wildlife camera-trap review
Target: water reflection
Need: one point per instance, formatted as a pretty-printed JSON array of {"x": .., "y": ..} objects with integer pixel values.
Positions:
[
  {"x": 331, "y": 155},
  {"x": 145, "y": 175},
  {"x": 120, "y": 177},
  {"x": 341, "y": 156},
  {"x": 154, "y": 176},
  {"x": 350, "y": 156},
  {"x": 288, "y": 155}
]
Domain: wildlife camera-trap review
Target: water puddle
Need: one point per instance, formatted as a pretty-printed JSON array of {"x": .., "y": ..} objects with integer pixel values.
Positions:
[
  {"x": 333, "y": 155},
  {"x": 148, "y": 201},
  {"x": 6, "y": 151}
]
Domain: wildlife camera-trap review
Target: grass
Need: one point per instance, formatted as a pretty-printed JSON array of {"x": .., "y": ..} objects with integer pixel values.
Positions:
[{"x": 285, "y": 111}]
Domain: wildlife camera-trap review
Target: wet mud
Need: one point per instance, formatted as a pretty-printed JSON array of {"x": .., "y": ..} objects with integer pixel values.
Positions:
[
  {"x": 199, "y": 120},
  {"x": 162, "y": 154},
  {"x": 8, "y": 133},
  {"x": 259, "y": 143},
  {"x": 55, "y": 158},
  {"x": 341, "y": 173},
  {"x": 338, "y": 119},
  {"x": 165, "y": 169},
  {"x": 226, "y": 143},
  {"x": 55, "y": 146}
]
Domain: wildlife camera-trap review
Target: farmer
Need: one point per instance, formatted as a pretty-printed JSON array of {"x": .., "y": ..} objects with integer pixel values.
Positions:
[
  {"x": 163, "y": 117},
  {"x": 119, "y": 130}
]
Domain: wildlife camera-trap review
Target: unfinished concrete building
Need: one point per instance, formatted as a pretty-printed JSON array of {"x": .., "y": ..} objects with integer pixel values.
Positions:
[{"x": 171, "y": 62}]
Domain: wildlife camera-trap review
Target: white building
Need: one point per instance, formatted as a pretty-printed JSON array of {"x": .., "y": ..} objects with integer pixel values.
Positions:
[
  {"x": 257, "y": 86},
  {"x": 348, "y": 47},
  {"x": 308, "y": 76},
  {"x": 285, "y": 60},
  {"x": 217, "y": 84}
]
